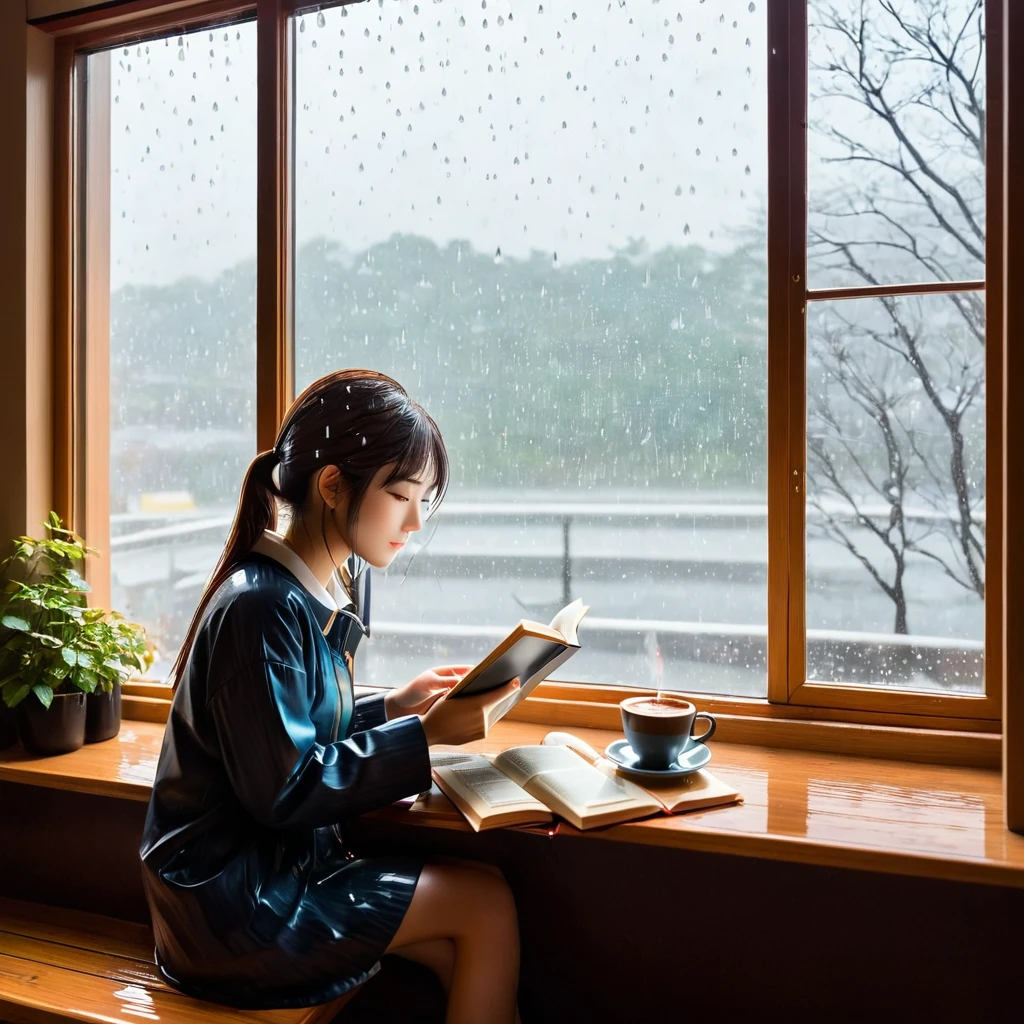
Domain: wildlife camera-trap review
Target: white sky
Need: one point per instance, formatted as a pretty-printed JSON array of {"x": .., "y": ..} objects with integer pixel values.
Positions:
[{"x": 635, "y": 119}]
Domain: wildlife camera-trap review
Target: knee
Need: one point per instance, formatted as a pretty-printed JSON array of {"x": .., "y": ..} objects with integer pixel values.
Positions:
[{"x": 496, "y": 904}]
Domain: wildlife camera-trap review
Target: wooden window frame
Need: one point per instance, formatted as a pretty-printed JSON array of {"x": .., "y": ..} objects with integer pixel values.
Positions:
[{"x": 790, "y": 698}]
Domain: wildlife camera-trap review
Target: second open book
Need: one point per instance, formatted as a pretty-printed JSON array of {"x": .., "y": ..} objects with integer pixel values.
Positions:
[{"x": 564, "y": 776}]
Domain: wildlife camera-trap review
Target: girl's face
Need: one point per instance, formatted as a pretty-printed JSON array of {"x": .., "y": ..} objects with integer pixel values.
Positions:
[{"x": 389, "y": 514}]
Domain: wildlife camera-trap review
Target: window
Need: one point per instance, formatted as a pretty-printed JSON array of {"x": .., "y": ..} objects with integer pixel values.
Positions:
[
  {"x": 169, "y": 152},
  {"x": 549, "y": 226},
  {"x": 895, "y": 514},
  {"x": 700, "y": 299}
]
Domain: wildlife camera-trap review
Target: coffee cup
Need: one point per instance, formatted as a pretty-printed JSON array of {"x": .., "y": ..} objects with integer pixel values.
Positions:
[{"x": 660, "y": 728}]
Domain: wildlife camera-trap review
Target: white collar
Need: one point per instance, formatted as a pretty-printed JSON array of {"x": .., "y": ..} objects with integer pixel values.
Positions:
[{"x": 273, "y": 546}]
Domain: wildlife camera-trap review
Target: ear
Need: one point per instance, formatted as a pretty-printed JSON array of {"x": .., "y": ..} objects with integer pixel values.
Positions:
[{"x": 331, "y": 486}]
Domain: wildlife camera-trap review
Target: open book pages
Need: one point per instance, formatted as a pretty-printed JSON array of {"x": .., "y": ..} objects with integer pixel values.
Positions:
[
  {"x": 486, "y": 796},
  {"x": 517, "y": 785},
  {"x": 691, "y": 792},
  {"x": 567, "y": 622}
]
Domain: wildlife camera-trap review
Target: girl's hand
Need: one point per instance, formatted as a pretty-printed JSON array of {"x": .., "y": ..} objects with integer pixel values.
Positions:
[
  {"x": 463, "y": 719},
  {"x": 417, "y": 697}
]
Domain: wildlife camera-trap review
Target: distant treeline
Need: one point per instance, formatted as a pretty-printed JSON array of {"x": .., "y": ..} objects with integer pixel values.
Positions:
[{"x": 642, "y": 370}]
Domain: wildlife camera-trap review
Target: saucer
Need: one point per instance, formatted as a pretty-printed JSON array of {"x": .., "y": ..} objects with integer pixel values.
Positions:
[{"x": 695, "y": 757}]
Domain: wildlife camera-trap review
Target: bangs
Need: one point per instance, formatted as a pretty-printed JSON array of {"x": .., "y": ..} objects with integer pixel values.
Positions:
[{"x": 423, "y": 455}]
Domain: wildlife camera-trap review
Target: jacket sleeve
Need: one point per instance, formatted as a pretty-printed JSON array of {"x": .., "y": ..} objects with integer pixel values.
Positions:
[
  {"x": 267, "y": 742},
  {"x": 284, "y": 778},
  {"x": 369, "y": 712}
]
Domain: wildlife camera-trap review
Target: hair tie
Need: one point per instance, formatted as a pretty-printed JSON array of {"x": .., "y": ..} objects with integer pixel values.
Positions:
[{"x": 275, "y": 473}]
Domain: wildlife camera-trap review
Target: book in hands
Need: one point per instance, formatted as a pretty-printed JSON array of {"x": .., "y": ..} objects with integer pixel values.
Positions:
[
  {"x": 526, "y": 785},
  {"x": 531, "y": 652}
]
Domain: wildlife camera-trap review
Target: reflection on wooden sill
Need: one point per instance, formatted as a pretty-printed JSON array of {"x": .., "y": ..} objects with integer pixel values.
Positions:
[{"x": 800, "y": 806}]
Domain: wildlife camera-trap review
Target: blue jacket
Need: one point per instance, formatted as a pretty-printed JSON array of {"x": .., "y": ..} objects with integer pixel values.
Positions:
[{"x": 256, "y": 900}]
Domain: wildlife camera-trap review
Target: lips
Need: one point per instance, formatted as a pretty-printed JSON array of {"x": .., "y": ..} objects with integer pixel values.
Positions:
[{"x": 397, "y": 544}]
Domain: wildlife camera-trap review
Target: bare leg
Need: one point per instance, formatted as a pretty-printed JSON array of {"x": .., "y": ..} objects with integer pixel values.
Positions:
[
  {"x": 475, "y": 911},
  {"x": 437, "y": 954}
]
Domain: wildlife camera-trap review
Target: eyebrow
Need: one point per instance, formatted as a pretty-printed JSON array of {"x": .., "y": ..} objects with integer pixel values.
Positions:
[{"x": 409, "y": 480}]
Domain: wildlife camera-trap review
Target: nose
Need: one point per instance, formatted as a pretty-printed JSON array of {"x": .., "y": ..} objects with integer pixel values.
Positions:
[{"x": 414, "y": 520}]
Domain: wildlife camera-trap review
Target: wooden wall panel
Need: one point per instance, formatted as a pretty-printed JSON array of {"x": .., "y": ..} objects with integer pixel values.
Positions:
[
  {"x": 26, "y": 60},
  {"x": 612, "y": 932},
  {"x": 1013, "y": 453},
  {"x": 39, "y": 107}
]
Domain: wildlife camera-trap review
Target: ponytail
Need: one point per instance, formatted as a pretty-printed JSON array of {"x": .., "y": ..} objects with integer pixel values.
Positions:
[{"x": 257, "y": 511}]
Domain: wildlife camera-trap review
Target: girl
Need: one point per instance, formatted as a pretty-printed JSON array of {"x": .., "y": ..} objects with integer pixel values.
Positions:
[{"x": 256, "y": 899}]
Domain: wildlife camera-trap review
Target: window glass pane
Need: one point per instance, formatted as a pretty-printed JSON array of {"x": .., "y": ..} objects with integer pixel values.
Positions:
[
  {"x": 896, "y": 141},
  {"x": 182, "y": 314},
  {"x": 895, "y": 492},
  {"x": 549, "y": 225}
]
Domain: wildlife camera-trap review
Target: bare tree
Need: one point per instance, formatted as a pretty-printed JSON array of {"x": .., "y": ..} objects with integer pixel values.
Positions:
[{"x": 896, "y": 385}]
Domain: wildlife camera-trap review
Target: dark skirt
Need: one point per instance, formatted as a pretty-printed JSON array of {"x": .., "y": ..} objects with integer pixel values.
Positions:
[{"x": 283, "y": 954}]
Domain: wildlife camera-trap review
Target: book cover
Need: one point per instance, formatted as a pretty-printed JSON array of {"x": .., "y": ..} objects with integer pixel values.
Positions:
[{"x": 531, "y": 651}]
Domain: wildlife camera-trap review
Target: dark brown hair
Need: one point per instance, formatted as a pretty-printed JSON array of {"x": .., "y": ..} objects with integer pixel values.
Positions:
[{"x": 357, "y": 420}]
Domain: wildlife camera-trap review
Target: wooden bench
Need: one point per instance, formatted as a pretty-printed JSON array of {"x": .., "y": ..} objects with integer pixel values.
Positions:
[{"x": 65, "y": 965}]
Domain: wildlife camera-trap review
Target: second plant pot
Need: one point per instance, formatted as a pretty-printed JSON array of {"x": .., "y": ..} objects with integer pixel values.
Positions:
[
  {"x": 8, "y": 726},
  {"x": 58, "y": 729},
  {"x": 103, "y": 715}
]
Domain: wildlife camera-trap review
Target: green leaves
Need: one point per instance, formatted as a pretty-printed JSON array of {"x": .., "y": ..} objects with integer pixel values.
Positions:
[
  {"x": 44, "y": 693},
  {"x": 50, "y": 640},
  {"x": 15, "y": 693}
]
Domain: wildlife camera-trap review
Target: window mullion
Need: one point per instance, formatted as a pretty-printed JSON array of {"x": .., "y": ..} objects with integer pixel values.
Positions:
[
  {"x": 274, "y": 376},
  {"x": 787, "y": 190},
  {"x": 92, "y": 327}
]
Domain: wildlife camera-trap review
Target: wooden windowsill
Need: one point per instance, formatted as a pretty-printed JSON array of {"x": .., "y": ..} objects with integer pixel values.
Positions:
[
  {"x": 897, "y": 737},
  {"x": 801, "y": 806}
]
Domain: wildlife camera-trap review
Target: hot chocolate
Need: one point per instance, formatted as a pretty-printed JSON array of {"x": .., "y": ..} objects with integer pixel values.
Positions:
[
  {"x": 659, "y": 728},
  {"x": 660, "y": 707}
]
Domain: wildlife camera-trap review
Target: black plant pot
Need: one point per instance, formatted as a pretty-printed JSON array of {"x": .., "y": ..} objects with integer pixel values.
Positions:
[
  {"x": 56, "y": 730},
  {"x": 8, "y": 726},
  {"x": 103, "y": 715}
]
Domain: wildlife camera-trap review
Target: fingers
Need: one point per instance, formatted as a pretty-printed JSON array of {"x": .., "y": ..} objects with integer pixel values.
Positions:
[
  {"x": 456, "y": 671},
  {"x": 499, "y": 694},
  {"x": 438, "y": 681},
  {"x": 431, "y": 700},
  {"x": 442, "y": 684}
]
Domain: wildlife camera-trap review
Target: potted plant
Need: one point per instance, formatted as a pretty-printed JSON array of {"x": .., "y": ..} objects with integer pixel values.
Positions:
[{"x": 58, "y": 654}]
